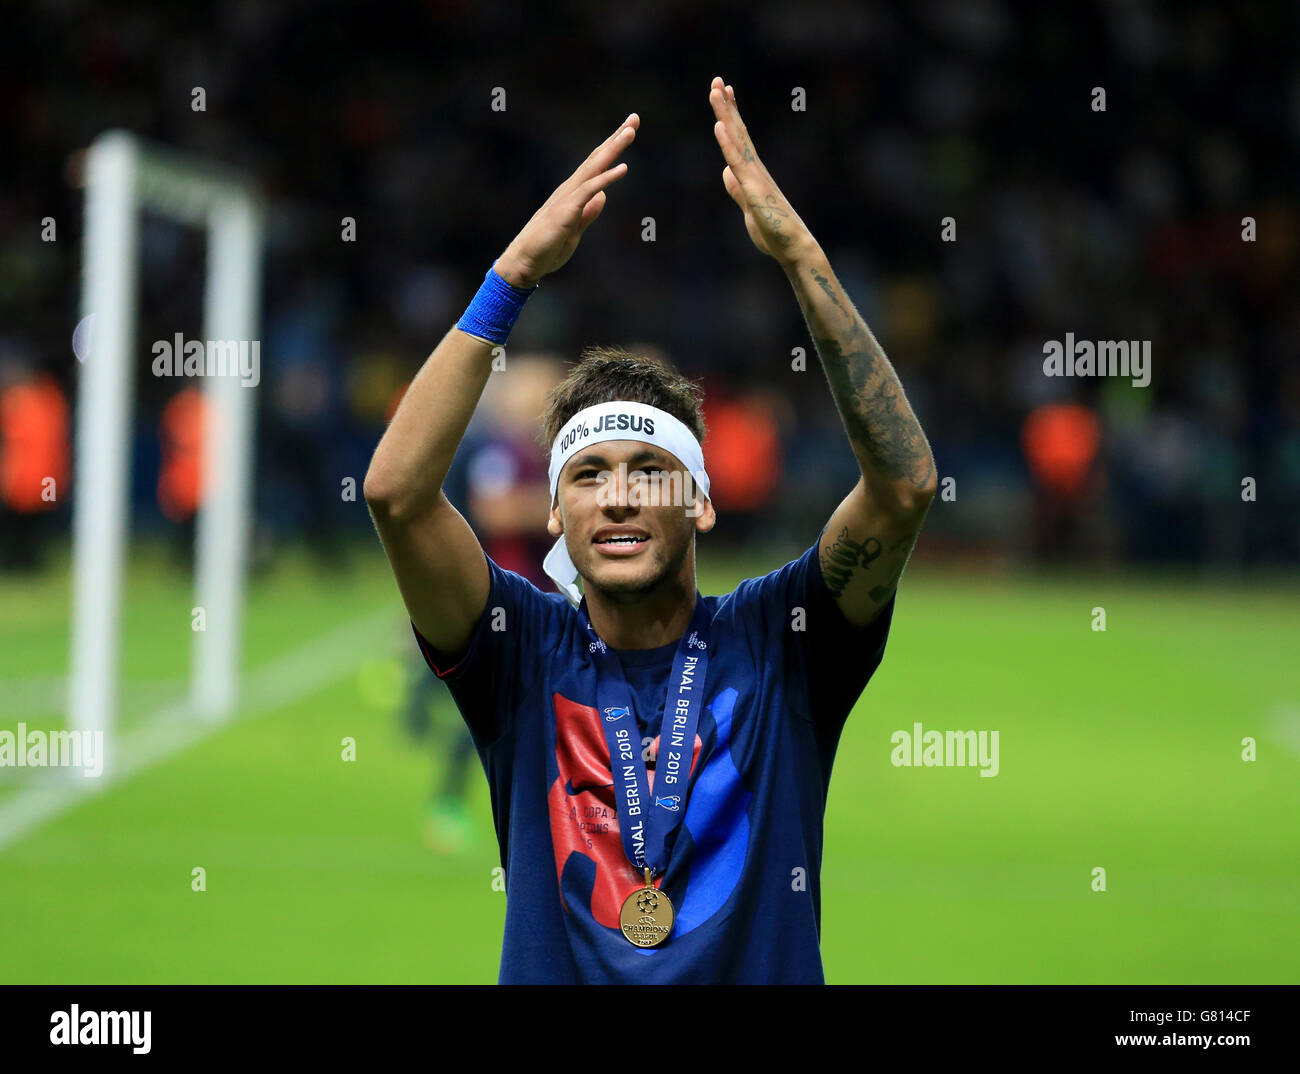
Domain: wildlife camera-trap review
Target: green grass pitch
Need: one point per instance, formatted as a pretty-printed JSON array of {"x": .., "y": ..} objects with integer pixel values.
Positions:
[{"x": 1119, "y": 750}]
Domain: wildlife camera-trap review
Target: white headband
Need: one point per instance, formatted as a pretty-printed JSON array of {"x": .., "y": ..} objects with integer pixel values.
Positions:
[{"x": 617, "y": 420}]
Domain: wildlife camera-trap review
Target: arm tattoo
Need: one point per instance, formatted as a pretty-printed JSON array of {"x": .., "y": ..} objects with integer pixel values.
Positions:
[
  {"x": 845, "y": 557},
  {"x": 829, "y": 291},
  {"x": 882, "y": 428},
  {"x": 774, "y": 216},
  {"x": 880, "y": 593}
]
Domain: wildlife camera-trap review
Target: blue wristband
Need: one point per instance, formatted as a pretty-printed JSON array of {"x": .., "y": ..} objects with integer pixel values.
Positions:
[{"x": 495, "y": 308}]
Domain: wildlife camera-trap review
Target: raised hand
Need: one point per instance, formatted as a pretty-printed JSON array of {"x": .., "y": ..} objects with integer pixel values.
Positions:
[
  {"x": 548, "y": 240},
  {"x": 773, "y": 225}
]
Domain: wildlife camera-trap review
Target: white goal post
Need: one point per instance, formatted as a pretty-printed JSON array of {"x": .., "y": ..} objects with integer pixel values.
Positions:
[{"x": 124, "y": 177}]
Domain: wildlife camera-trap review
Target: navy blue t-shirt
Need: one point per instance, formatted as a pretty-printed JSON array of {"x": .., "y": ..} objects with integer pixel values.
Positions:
[{"x": 785, "y": 669}]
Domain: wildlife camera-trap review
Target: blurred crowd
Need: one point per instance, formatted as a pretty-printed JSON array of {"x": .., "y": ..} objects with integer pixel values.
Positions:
[{"x": 878, "y": 122}]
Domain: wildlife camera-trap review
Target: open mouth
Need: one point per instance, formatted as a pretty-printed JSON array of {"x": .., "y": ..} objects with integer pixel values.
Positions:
[{"x": 620, "y": 543}]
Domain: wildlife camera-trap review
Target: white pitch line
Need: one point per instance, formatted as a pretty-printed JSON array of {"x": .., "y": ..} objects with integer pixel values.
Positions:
[{"x": 172, "y": 728}]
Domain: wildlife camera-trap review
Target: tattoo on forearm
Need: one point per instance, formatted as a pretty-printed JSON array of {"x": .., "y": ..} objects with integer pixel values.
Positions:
[
  {"x": 826, "y": 287},
  {"x": 844, "y": 558},
  {"x": 867, "y": 391}
]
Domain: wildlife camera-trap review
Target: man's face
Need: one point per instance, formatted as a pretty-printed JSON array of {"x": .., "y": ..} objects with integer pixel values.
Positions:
[{"x": 629, "y": 512}]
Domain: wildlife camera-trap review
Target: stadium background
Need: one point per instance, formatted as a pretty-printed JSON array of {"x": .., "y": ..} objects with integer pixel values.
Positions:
[{"x": 1119, "y": 749}]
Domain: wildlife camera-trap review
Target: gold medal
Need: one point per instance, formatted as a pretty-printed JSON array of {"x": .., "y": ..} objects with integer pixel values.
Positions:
[{"x": 647, "y": 915}]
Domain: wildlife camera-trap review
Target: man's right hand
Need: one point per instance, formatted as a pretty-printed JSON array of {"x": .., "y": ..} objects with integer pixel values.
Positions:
[{"x": 550, "y": 237}]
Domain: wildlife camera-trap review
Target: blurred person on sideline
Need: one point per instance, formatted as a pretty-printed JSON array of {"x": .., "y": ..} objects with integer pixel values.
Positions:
[
  {"x": 743, "y": 459},
  {"x": 300, "y": 423},
  {"x": 1061, "y": 442},
  {"x": 34, "y": 461},
  {"x": 180, "y": 473}
]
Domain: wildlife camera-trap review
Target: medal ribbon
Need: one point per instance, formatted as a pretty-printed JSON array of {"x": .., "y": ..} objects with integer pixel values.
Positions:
[{"x": 648, "y": 822}]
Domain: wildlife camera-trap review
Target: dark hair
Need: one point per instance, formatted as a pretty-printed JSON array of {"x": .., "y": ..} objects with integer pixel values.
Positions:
[{"x": 605, "y": 374}]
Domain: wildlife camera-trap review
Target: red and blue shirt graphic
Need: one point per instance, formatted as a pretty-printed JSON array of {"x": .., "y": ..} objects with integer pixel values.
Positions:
[{"x": 744, "y": 869}]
